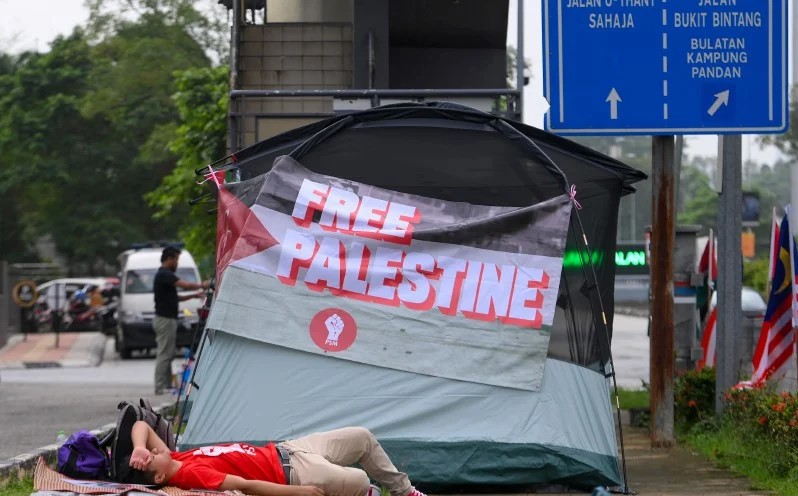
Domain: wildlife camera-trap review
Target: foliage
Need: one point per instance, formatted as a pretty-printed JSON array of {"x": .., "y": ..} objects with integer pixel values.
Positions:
[
  {"x": 85, "y": 131},
  {"x": 208, "y": 28},
  {"x": 201, "y": 99},
  {"x": 633, "y": 398},
  {"x": 18, "y": 487},
  {"x": 768, "y": 417},
  {"x": 755, "y": 275},
  {"x": 757, "y": 436},
  {"x": 694, "y": 398},
  {"x": 753, "y": 458}
]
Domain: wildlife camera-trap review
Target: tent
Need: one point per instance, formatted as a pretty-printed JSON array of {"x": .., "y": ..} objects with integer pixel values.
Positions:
[{"x": 452, "y": 403}]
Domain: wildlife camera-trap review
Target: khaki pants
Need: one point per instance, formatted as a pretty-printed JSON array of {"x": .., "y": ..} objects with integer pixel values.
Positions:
[
  {"x": 166, "y": 338},
  {"x": 321, "y": 460}
]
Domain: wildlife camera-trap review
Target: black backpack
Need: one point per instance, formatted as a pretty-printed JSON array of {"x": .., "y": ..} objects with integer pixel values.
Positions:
[{"x": 122, "y": 446}]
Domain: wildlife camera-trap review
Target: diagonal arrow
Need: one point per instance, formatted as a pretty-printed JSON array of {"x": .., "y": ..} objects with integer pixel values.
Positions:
[
  {"x": 721, "y": 98},
  {"x": 613, "y": 98}
]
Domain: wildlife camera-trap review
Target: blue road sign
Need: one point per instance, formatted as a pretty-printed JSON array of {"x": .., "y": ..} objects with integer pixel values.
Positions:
[{"x": 665, "y": 66}]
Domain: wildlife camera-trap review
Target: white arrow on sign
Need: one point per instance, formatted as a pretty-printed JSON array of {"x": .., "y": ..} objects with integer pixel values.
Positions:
[
  {"x": 721, "y": 98},
  {"x": 613, "y": 98}
]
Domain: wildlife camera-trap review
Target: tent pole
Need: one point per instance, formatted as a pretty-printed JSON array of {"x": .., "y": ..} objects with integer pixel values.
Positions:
[
  {"x": 625, "y": 487},
  {"x": 191, "y": 383},
  {"x": 594, "y": 282}
]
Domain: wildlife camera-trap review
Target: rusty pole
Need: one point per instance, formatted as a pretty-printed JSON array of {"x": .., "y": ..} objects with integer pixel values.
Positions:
[{"x": 662, "y": 329}]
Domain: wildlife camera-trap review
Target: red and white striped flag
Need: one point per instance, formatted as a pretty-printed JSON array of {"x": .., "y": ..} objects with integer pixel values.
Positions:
[
  {"x": 709, "y": 265},
  {"x": 777, "y": 339},
  {"x": 708, "y": 340}
]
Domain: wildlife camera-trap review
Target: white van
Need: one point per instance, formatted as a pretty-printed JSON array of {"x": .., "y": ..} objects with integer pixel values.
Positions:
[{"x": 137, "y": 302}]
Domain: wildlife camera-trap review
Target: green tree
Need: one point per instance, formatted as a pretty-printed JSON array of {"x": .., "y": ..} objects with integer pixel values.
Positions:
[
  {"x": 44, "y": 136},
  {"x": 700, "y": 205},
  {"x": 208, "y": 28},
  {"x": 85, "y": 131},
  {"x": 201, "y": 98}
]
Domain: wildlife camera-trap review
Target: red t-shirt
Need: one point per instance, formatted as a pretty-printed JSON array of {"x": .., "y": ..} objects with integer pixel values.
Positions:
[{"x": 206, "y": 467}]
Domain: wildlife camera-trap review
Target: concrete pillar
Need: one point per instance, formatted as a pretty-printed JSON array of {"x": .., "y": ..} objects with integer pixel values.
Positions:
[{"x": 309, "y": 11}]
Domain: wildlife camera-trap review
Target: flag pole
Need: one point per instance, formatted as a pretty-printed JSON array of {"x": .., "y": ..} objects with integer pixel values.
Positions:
[
  {"x": 711, "y": 265},
  {"x": 774, "y": 223},
  {"x": 794, "y": 292}
]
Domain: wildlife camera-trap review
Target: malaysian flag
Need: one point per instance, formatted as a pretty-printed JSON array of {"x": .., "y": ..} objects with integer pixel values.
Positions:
[{"x": 777, "y": 338}]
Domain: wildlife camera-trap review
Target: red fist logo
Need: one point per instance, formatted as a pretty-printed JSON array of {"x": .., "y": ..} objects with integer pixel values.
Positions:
[{"x": 333, "y": 329}]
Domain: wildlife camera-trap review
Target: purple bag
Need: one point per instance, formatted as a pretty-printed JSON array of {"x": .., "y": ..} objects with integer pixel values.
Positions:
[{"x": 82, "y": 457}]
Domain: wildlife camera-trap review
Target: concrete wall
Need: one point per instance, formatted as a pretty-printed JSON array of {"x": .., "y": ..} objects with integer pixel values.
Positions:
[
  {"x": 434, "y": 67},
  {"x": 309, "y": 11},
  {"x": 291, "y": 56}
]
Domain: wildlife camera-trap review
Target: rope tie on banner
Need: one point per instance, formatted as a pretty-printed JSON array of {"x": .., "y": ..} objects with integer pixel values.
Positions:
[
  {"x": 572, "y": 194},
  {"x": 210, "y": 176}
]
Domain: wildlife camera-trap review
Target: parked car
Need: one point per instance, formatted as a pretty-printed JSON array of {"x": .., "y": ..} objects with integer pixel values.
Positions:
[
  {"x": 753, "y": 304},
  {"x": 136, "y": 307}
]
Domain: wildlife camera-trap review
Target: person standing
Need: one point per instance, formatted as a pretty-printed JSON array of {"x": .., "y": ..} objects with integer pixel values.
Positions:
[{"x": 164, "y": 324}]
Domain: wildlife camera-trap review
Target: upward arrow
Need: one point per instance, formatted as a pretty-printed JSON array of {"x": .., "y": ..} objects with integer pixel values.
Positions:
[
  {"x": 721, "y": 98},
  {"x": 613, "y": 98}
]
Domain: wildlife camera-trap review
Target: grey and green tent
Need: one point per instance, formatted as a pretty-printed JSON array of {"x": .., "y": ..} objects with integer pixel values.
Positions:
[{"x": 419, "y": 270}]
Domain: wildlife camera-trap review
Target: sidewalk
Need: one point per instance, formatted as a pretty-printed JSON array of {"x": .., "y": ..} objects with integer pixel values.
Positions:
[
  {"x": 676, "y": 471},
  {"x": 75, "y": 349}
]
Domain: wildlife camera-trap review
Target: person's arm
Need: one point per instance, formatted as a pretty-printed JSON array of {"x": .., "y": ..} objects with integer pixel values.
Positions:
[
  {"x": 191, "y": 296},
  {"x": 191, "y": 285},
  {"x": 263, "y": 488},
  {"x": 144, "y": 439}
]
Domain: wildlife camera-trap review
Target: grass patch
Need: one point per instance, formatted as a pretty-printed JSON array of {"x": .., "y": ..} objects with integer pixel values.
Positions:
[
  {"x": 759, "y": 461},
  {"x": 18, "y": 488},
  {"x": 633, "y": 398}
]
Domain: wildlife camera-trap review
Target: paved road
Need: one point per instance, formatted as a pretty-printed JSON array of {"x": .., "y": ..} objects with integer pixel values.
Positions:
[
  {"x": 36, "y": 403},
  {"x": 630, "y": 351}
]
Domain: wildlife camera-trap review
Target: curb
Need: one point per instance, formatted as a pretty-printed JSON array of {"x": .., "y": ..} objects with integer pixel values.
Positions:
[
  {"x": 632, "y": 311},
  {"x": 23, "y": 465}
]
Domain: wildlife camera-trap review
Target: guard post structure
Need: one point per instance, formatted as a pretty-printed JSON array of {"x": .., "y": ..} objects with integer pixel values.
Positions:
[
  {"x": 686, "y": 281},
  {"x": 687, "y": 347}
]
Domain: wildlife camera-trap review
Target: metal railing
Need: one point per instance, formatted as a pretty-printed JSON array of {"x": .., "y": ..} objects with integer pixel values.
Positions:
[{"x": 506, "y": 102}]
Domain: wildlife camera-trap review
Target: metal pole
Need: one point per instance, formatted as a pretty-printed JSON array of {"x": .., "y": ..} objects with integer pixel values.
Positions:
[
  {"x": 232, "y": 114},
  {"x": 57, "y": 316},
  {"x": 519, "y": 63},
  {"x": 677, "y": 172},
  {"x": 662, "y": 328},
  {"x": 730, "y": 265}
]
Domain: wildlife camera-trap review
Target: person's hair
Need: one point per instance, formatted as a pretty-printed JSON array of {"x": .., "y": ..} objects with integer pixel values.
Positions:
[
  {"x": 169, "y": 252},
  {"x": 136, "y": 476}
]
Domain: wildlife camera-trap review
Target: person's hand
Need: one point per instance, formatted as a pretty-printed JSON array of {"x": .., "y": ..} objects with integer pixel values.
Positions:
[
  {"x": 140, "y": 458},
  {"x": 199, "y": 294},
  {"x": 309, "y": 491},
  {"x": 206, "y": 284}
]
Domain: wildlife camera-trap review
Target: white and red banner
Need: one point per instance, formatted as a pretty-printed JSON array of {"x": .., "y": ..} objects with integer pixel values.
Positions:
[{"x": 332, "y": 266}]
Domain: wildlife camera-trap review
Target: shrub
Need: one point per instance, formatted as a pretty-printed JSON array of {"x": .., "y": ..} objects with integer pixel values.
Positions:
[
  {"x": 694, "y": 398},
  {"x": 764, "y": 415}
]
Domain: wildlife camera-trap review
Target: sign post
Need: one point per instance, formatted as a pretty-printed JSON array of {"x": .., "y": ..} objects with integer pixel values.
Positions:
[
  {"x": 24, "y": 295},
  {"x": 653, "y": 67},
  {"x": 648, "y": 67}
]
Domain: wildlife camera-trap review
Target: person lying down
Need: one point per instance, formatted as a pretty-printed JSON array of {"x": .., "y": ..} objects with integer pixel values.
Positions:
[{"x": 313, "y": 465}]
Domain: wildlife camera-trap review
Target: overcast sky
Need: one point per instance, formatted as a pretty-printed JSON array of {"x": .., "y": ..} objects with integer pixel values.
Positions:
[{"x": 33, "y": 25}]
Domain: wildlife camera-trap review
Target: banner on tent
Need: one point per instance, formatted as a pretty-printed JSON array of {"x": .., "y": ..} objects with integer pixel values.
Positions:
[{"x": 449, "y": 289}]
